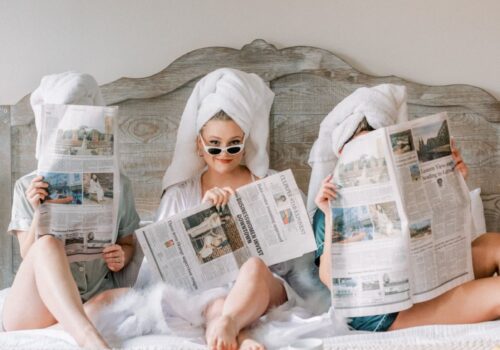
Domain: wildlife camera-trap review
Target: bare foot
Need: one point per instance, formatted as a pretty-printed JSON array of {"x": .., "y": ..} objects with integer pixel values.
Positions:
[
  {"x": 250, "y": 344},
  {"x": 221, "y": 334}
]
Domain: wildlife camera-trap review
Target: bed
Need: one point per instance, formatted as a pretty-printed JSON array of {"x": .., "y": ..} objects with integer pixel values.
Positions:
[{"x": 308, "y": 83}]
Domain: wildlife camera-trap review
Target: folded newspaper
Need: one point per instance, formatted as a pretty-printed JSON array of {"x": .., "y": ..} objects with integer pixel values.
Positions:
[
  {"x": 204, "y": 247},
  {"x": 401, "y": 220},
  {"x": 78, "y": 160}
]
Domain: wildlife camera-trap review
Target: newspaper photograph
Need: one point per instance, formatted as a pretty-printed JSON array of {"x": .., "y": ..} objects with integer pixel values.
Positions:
[
  {"x": 401, "y": 219},
  {"x": 204, "y": 247},
  {"x": 79, "y": 164}
]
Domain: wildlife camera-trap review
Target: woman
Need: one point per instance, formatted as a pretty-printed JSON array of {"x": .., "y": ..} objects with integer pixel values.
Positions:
[
  {"x": 221, "y": 146},
  {"x": 47, "y": 288},
  {"x": 471, "y": 302},
  {"x": 95, "y": 188}
]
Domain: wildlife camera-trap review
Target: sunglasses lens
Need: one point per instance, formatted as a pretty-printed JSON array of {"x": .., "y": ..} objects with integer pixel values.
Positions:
[
  {"x": 234, "y": 150},
  {"x": 214, "y": 151}
]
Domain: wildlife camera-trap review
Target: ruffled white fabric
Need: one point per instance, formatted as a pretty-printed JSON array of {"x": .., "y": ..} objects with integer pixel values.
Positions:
[
  {"x": 381, "y": 105},
  {"x": 64, "y": 88},
  {"x": 243, "y": 96}
]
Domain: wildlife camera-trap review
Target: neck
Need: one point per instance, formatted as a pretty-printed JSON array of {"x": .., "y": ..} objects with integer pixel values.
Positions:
[{"x": 238, "y": 177}]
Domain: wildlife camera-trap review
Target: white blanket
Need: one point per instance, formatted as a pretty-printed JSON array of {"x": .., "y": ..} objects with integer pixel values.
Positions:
[{"x": 290, "y": 326}]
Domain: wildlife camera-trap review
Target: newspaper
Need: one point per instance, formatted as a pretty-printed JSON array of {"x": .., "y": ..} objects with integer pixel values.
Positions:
[
  {"x": 401, "y": 220},
  {"x": 203, "y": 248},
  {"x": 78, "y": 160}
]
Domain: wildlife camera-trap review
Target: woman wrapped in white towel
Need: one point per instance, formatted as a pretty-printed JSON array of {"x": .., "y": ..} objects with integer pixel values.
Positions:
[{"x": 221, "y": 146}]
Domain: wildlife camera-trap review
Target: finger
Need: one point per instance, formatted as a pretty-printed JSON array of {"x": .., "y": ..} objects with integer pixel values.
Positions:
[
  {"x": 112, "y": 255},
  {"x": 39, "y": 184},
  {"x": 36, "y": 198},
  {"x": 453, "y": 143},
  {"x": 42, "y": 192},
  {"x": 329, "y": 193},
  {"x": 111, "y": 249},
  {"x": 229, "y": 189},
  {"x": 328, "y": 178},
  {"x": 113, "y": 267},
  {"x": 37, "y": 178},
  {"x": 209, "y": 197},
  {"x": 330, "y": 185},
  {"x": 30, "y": 192},
  {"x": 225, "y": 198}
]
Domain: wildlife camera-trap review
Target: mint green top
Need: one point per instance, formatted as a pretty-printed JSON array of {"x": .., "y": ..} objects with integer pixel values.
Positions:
[{"x": 92, "y": 276}]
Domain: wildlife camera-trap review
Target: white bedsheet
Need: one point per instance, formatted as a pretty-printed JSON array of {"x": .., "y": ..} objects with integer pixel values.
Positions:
[{"x": 471, "y": 336}]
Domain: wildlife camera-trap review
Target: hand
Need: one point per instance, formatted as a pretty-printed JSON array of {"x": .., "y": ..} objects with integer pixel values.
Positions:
[
  {"x": 459, "y": 162},
  {"x": 218, "y": 196},
  {"x": 114, "y": 256},
  {"x": 37, "y": 191},
  {"x": 327, "y": 192}
]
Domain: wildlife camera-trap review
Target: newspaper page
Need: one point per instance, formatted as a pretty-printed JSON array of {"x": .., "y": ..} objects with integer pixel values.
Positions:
[
  {"x": 370, "y": 264},
  {"x": 78, "y": 160},
  {"x": 437, "y": 203},
  {"x": 204, "y": 247},
  {"x": 401, "y": 221}
]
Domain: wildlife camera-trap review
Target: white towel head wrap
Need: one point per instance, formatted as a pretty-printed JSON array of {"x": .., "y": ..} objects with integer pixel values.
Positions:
[
  {"x": 64, "y": 88},
  {"x": 381, "y": 105},
  {"x": 246, "y": 98}
]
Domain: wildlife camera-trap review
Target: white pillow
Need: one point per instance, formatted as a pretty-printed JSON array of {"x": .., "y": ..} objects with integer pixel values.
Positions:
[{"x": 477, "y": 211}]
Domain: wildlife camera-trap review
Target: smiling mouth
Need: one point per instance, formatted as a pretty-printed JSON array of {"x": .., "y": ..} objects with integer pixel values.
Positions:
[{"x": 224, "y": 160}]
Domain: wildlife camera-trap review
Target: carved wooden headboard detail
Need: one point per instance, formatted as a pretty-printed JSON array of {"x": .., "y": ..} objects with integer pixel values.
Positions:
[{"x": 308, "y": 83}]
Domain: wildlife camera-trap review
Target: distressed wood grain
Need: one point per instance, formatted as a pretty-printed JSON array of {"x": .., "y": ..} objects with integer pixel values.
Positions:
[
  {"x": 308, "y": 83},
  {"x": 6, "y": 250}
]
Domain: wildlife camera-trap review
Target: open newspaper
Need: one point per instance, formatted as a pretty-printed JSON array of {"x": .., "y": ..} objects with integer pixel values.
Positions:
[
  {"x": 78, "y": 160},
  {"x": 203, "y": 248},
  {"x": 401, "y": 220}
]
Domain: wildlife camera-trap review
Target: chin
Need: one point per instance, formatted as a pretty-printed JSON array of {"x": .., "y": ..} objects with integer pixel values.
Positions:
[{"x": 223, "y": 168}]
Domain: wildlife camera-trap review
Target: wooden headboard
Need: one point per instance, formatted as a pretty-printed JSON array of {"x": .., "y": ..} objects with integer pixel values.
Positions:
[{"x": 308, "y": 83}]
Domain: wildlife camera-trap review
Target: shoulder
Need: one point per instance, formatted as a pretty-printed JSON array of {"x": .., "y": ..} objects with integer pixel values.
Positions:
[
  {"x": 179, "y": 197},
  {"x": 181, "y": 189},
  {"x": 24, "y": 181}
]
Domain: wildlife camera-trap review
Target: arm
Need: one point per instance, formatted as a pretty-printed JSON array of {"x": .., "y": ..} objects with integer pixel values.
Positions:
[
  {"x": 35, "y": 193},
  {"x": 27, "y": 238},
  {"x": 326, "y": 193},
  {"x": 325, "y": 261}
]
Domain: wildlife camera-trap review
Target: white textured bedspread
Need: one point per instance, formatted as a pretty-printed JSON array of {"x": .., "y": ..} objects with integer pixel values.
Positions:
[{"x": 471, "y": 336}]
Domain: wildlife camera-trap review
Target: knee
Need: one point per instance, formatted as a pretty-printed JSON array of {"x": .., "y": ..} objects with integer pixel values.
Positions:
[
  {"x": 48, "y": 242},
  {"x": 255, "y": 267}
]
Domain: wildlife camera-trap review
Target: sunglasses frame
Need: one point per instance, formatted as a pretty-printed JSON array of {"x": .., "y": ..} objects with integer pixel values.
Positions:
[{"x": 223, "y": 149}]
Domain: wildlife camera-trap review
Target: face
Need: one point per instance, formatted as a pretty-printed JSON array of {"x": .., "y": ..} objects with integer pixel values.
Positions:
[{"x": 221, "y": 133}]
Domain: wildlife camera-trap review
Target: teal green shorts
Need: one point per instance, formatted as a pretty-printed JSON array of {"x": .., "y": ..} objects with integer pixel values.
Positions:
[{"x": 377, "y": 323}]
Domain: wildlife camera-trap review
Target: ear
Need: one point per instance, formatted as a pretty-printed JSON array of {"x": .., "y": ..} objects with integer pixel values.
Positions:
[{"x": 199, "y": 147}]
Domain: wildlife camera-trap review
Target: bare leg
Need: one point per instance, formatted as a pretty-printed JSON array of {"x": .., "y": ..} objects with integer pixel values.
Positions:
[
  {"x": 97, "y": 302},
  {"x": 254, "y": 291},
  {"x": 44, "y": 292},
  {"x": 486, "y": 255},
  {"x": 472, "y": 302}
]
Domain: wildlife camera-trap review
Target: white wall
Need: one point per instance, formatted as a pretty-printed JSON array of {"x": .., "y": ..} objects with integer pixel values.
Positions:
[{"x": 427, "y": 41}]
